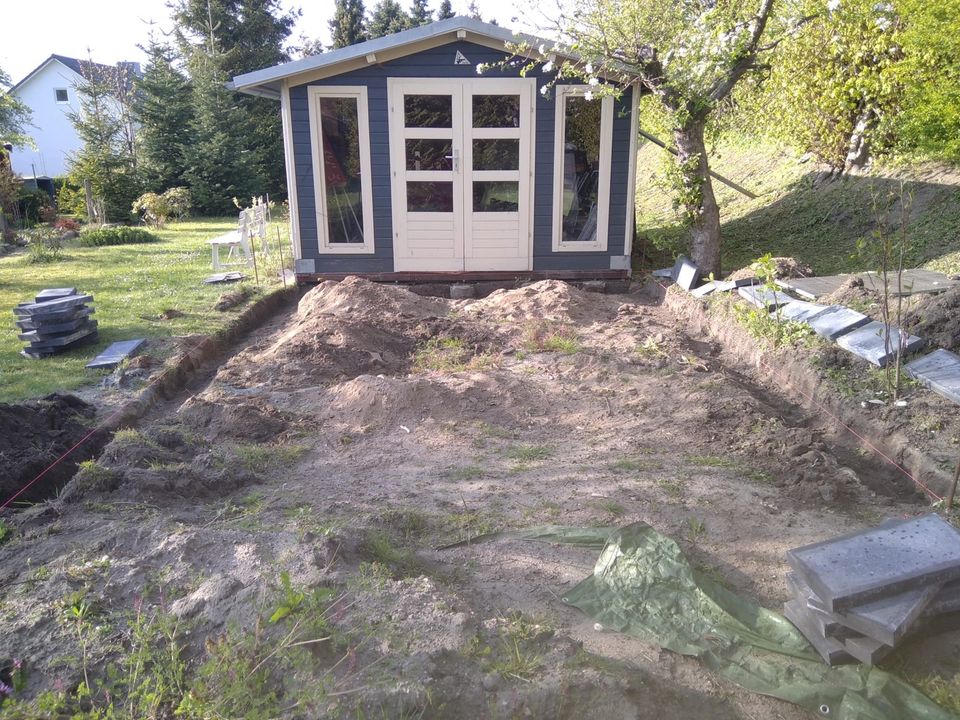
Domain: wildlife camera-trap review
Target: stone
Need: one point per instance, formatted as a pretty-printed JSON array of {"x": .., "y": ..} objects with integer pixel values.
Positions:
[
  {"x": 832, "y": 651},
  {"x": 800, "y": 310},
  {"x": 39, "y": 341},
  {"x": 728, "y": 285},
  {"x": 115, "y": 354},
  {"x": 835, "y": 321},
  {"x": 763, "y": 297},
  {"x": 54, "y": 294},
  {"x": 687, "y": 274},
  {"x": 939, "y": 371},
  {"x": 868, "y": 343},
  {"x": 59, "y": 326},
  {"x": 879, "y": 562},
  {"x": 36, "y": 353}
]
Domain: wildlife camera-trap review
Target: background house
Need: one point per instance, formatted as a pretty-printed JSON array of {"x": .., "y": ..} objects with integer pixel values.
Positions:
[{"x": 50, "y": 91}]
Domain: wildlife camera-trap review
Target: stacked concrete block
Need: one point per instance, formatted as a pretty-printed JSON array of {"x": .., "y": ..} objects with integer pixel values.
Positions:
[
  {"x": 858, "y": 597},
  {"x": 56, "y": 320}
]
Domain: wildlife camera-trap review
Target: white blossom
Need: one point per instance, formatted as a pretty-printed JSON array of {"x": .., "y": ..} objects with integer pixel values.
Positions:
[
  {"x": 833, "y": 5},
  {"x": 479, "y": 68},
  {"x": 884, "y": 23},
  {"x": 589, "y": 68},
  {"x": 548, "y": 66},
  {"x": 544, "y": 90},
  {"x": 542, "y": 49},
  {"x": 588, "y": 95},
  {"x": 593, "y": 82}
]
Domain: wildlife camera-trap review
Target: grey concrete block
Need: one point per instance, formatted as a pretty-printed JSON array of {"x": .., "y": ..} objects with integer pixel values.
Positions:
[
  {"x": 835, "y": 321},
  {"x": 763, "y": 297},
  {"x": 879, "y": 562},
  {"x": 37, "y": 353},
  {"x": 704, "y": 290},
  {"x": 116, "y": 353},
  {"x": 728, "y": 285},
  {"x": 800, "y": 310},
  {"x": 663, "y": 273},
  {"x": 464, "y": 291},
  {"x": 52, "y": 306},
  {"x": 75, "y": 320},
  {"x": 939, "y": 371},
  {"x": 54, "y": 294},
  {"x": 946, "y": 601},
  {"x": 44, "y": 342},
  {"x": 867, "y": 650},
  {"x": 832, "y": 651},
  {"x": 687, "y": 274},
  {"x": 886, "y": 620},
  {"x": 305, "y": 265},
  {"x": 620, "y": 262},
  {"x": 868, "y": 343}
]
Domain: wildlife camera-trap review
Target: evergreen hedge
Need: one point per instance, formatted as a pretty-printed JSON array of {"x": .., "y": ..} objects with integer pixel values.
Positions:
[{"x": 122, "y": 235}]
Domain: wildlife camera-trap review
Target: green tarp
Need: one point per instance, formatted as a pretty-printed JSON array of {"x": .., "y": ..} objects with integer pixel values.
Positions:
[{"x": 643, "y": 585}]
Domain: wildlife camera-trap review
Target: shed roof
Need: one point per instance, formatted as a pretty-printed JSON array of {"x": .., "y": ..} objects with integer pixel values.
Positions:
[{"x": 267, "y": 81}]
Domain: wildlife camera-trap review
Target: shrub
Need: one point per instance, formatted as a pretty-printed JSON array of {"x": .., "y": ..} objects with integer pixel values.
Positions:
[
  {"x": 116, "y": 236},
  {"x": 67, "y": 224},
  {"x": 44, "y": 244},
  {"x": 156, "y": 209}
]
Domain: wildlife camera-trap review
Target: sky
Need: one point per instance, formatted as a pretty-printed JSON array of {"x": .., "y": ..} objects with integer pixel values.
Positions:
[{"x": 109, "y": 31}]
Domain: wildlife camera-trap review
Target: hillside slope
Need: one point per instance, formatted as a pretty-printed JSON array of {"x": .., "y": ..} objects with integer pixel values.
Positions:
[{"x": 803, "y": 213}]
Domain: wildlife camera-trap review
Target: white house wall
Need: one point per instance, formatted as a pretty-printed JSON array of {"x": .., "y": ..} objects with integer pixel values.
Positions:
[{"x": 53, "y": 133}]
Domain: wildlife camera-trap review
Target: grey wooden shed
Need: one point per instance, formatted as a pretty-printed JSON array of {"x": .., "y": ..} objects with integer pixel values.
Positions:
[{"x": 422, "y": 156}]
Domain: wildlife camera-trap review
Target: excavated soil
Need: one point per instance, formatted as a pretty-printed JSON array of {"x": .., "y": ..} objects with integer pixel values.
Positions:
[{"x": 344, "y": 446}]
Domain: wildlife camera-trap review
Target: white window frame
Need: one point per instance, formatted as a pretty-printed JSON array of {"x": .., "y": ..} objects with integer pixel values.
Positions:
[
  {"x": 358, "y": 92},
  {"x": 561, "y": 93},
  {"x": 57, "y": 99}
]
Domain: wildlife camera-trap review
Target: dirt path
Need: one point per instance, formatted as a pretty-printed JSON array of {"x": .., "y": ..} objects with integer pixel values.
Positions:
[{"x": 344, "y": 445}]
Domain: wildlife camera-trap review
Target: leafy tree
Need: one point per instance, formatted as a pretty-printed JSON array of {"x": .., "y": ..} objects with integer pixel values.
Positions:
[
  {"x": 14, "y": 116},
  {"x": 347, "y": 25},
  {"x": 162, "y": 109},
  {"x": 420, "y": 14},
  {"x": 311, "y": 47},
  {"x": 104, "y": 125},
  {"x": 689, "y": 56},
  {"x": 833, "y": 82},
  {"x": 929, "y": 118},
  {"x": 445, "y": 12},
  {"x": 387, "y": 18}
]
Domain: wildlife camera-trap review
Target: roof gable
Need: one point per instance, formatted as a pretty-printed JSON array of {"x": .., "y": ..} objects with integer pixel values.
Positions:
[
  {"x": 80, "y": 67},
  {"x": 407, "y": 42}
]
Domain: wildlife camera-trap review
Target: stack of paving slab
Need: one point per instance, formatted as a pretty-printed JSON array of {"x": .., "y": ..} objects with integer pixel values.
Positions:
[
  {"x": 56, "y": 320},
  {"x": 857, "y": 597}
]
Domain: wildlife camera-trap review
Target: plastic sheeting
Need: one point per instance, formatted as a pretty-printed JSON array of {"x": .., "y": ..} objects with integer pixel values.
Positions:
[{"x": 643, "y": 585}]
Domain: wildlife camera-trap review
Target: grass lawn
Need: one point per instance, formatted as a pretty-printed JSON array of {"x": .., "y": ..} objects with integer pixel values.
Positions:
[
  {"x": 799, "y": 215},
  {"x": 131, "y": 285}
]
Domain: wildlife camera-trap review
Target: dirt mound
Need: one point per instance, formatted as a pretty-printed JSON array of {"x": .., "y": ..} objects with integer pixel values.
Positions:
[
  {"x": 937, "y": 319},
  {"x": 853, "y": 294},
  {"x": 362, "y": 299},
  {"x": 786, "y": 267},
  {"x": 34, "y": 434},
  {"x": 551, "y": 300}
]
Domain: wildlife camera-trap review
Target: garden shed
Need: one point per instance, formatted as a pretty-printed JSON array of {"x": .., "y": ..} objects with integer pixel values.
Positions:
[{"x": 437, "y": 154}]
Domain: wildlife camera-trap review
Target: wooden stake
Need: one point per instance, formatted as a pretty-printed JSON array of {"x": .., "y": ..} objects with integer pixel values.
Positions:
[
  {"x": 253, "y": 255},
  {"x": 953, "y": 488},
  {"x": 283, "y": 270}
]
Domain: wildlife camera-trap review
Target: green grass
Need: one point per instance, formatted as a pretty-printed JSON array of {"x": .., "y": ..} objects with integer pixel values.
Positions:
[
  {"x": 817, "y": 222},
  {"x": 131, "y": 285}
]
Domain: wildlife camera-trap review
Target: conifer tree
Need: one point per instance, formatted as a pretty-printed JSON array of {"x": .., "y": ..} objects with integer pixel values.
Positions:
[
  {"x": 347, "y": 25},
  {"x": 387, "y": 18},
  {"x": 420, "y": 14},
  {"x": 446, "y": 11},
  {"x": 162, "y": 109}
]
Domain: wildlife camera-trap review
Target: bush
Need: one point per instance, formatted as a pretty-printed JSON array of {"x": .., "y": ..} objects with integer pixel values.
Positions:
[
  {"x": 156, "y": 210},
  {"x": 65, "y": 224},
  {"x": 44, "y": 244},
  {"x": 116, "y": 236}
]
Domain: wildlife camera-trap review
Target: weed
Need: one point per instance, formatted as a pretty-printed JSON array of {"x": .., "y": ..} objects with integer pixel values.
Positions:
[
  {"x": 611, "y": 507},
  {"x": 6, "y": 532},
  {"x": 695, "y": 528},
  {"x": 944, "y": 692},
  {"x": 91, "y": 475},
  {"x": 545, "y": 336},
  {"x": 517, "y": 659},
  {"x": 713, "y": 461},
  {"x": 652, "y": 347},
  {"x": 492, "y": 431},
  {"x": 410, "y": 522},
  {"x": 450, "y": 354},
  {"x": 673, "y": 488},
  {"x": 382, "y": 549},
  {"x": 127, "y": 437},
  {"x": 464, "y": 472},
  {"x": 529, "y": 453},
  {"x": 259, "y": 458},
  {"x": 635, "y": 465},
  {"x": 466, "y": 525}
]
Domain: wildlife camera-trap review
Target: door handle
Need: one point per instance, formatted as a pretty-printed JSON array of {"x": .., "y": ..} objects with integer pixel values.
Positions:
[{"x": 456, "y": 159}]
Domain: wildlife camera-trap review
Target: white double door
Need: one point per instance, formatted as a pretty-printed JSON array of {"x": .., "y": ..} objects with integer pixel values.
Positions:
[{"x": 461, "y": 172}]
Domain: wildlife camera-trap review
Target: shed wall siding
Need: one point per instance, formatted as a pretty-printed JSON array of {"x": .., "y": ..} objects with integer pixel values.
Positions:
[{"x": 439, "y": 63}]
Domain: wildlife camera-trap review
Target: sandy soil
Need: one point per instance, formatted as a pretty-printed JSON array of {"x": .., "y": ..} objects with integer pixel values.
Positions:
[{"x": 373, "y": 426}]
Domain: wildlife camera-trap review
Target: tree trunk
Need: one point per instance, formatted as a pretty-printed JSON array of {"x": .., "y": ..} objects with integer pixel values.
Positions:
[{"x": 700, "y": 203}]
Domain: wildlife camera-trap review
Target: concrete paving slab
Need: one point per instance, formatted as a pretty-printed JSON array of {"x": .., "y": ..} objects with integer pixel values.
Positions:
[
  {"x": 887, "y": 620},
  {"x": 832, "y": 651},
  {"x": 54, "y": 294},
  {"x": 705, "y": 289},
  {"x": 727, "y": 285},
  {"x": 687, "y": 274},
  {"x": 116, "y": 354},
  {"x": 868, "y": 343},
  {"x": 75, "y": 319},
  {"x": 763, "y": 297},
  {"x": 52, "y": 306},
  {"x": 946, "y": 601},
  {"x": 226, "y": 277},
  {"x": 43, "y": 342},
  {"x": 867, "y": 650},
  {"x": 801, "y": 310},
  {"x": 879, "y": 562},
  {"x": 939, "y": 371},
  {"x": 36, "y": 354},
  {"x": 835, "y": 321},
  {"x": 912, "y": 282}
]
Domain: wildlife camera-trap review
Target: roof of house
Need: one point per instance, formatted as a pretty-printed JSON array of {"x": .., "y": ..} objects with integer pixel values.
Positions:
[
  {"x": 80, "y": 67},
  {"x": 267, "y": 81}
]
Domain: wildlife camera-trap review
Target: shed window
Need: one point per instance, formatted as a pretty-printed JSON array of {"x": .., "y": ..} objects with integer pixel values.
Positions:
[
  {"x": 61, "y": 95},
  {"x": 341, "y": 147},
  {"x": 581, "y": 170}
]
